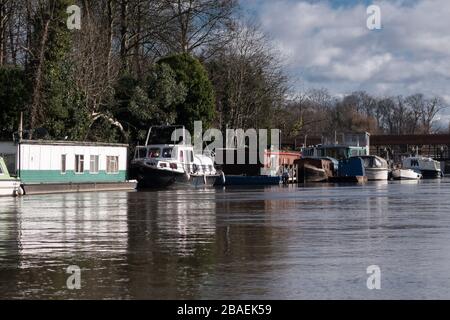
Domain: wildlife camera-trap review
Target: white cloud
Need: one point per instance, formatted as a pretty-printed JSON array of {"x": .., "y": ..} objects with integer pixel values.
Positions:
[{"x": 330, "y": 46}]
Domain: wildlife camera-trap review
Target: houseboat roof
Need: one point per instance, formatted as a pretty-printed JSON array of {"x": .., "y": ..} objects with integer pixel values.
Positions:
[{"x": 73, "y": 143}]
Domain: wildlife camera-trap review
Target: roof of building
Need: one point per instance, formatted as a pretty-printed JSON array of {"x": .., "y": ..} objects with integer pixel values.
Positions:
[{"x": 73, "y": 143}]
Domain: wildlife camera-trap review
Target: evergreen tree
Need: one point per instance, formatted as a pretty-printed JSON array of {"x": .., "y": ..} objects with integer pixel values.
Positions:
[
  {"x": 199, "y": 104},
  {"x": 56, "y": 103},
  {"x": 14, "y": 95}
]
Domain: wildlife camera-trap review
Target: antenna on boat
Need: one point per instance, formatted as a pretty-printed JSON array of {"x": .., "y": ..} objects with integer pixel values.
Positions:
[
  {"x": 148, "y": 136},
  {"x": 21, "y": 126}
]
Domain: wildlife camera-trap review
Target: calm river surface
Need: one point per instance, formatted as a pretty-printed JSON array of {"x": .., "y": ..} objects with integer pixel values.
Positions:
[{"x": 257, "y": 243}]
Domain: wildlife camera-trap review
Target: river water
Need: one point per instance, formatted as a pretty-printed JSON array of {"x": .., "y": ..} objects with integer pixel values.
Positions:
[{"x": 287, "y": 242}]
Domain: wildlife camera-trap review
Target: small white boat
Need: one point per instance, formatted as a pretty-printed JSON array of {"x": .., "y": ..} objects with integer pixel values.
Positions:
[
  {"x": 405, "y": 174},
  {"x": 9, "y": 186},
  {"x": 376, "y": 168},
  {"x": 429, "y": 168}
]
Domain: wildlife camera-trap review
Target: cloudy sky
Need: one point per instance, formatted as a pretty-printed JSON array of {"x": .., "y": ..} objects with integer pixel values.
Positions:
[{"x": 327, "y": 44}]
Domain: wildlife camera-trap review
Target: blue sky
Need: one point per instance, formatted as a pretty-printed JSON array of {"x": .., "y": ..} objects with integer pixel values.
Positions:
[{"x": 327, "y": 44}]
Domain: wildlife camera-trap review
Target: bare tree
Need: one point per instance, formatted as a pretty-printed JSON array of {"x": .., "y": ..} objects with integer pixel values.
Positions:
[
  {"x": 195, "y": 24},
  {"x": 432, "y": 108}
]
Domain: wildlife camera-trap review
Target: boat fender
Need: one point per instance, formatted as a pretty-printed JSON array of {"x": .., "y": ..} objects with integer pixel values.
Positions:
[
  {"x": 204, "y": 178},
  {"x": 223, "y": 177},
  {"x": 188, "y": 176},
  {"x": 18, "y": 192}
]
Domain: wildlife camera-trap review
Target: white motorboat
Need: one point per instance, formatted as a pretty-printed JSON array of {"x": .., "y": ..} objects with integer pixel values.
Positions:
[
  {"x": 405, "y": 174},
  {"x": 376, "y": 168},
  {"x": 164, "y": 162},
  {"x": 429, "y": 168},
  {"x": 9, "y": 186}
]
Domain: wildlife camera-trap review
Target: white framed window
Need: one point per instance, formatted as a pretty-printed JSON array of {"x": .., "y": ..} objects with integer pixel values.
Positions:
[
  {"x": 63, "y": 163},
  {"x": 112, "y": 164},
  {"x": 79, "y": 163},
  {"x": 93, "y": 168}
]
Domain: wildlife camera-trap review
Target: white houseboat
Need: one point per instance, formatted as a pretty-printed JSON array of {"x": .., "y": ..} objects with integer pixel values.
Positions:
[{"x": 67, "y": 166}]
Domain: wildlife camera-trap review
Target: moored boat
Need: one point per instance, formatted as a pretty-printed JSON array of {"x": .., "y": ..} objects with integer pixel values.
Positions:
[
  {"x": 9, "y": 186},
  {"x": 376, "y": 168},
  {"x": 350, "y": 170},
  {"x": 429, "y": 168},
  {"x": 405, "y": 174},
  {"x": 315, "y": 169},
  {"x": 164, "y": 162}
]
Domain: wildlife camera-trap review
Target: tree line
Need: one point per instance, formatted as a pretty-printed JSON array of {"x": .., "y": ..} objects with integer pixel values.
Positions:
[
  {"x": 316, "y": 112},
  {"x": 137, "y": 63}
]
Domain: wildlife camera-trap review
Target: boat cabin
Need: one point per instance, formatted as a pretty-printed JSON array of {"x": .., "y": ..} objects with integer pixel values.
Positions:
[
  {"x": 338, "y": 152},
  {"x": 175, "y": 157}
]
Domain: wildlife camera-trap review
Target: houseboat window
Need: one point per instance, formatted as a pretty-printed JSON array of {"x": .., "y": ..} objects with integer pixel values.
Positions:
[
  {"x": 167, "y": 153},
  {"x": 94, "y": 164},
  {"x": 63, "y": 163},
  {"x": 79, "y": 163},
  {"x": 154, "y": 152},
  {"x": 112, "y": 164}
]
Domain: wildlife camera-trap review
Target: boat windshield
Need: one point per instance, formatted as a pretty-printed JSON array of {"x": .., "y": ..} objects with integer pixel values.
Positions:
[
  {"x": 154, "y": 152},
  {"x": 167, "y": 152},
  {"x": 337, "y": 153}
]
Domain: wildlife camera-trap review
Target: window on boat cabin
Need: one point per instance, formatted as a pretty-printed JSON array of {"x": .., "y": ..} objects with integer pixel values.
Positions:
[
  {"x": 167, "y": 153},
  {"x": 181, "y": 156},
  {"x": 154, "y": 152},
  {"x": 192, "y": 156},
  {"x": 112, "y": 164},
  {"x": 63, "y": 163},
  {"x": 79, "y": 163},
  {"x": 93, "y": 166}
]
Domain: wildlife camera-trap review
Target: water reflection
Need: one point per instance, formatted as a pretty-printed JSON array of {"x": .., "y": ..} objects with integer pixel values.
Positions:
[{"x": 276, "y": 242}]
